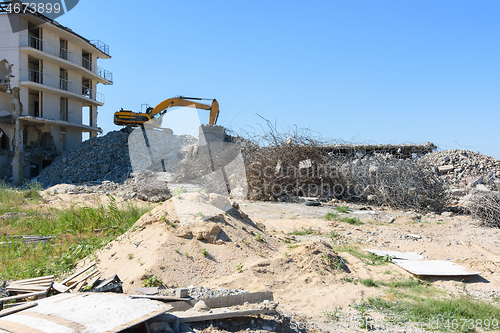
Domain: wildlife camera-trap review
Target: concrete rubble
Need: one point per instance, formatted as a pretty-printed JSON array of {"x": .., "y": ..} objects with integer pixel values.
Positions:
[{"x": 464, "y": 170}]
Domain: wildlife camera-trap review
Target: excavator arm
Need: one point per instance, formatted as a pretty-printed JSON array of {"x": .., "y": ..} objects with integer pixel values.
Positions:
[{"x": 124, "y": 117}]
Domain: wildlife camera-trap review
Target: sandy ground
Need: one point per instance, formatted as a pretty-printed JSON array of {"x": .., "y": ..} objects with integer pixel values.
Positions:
[{"x": 250, "y": 252}]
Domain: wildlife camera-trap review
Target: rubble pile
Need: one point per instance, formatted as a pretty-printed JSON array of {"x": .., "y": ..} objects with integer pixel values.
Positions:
[
  {"x": 120, "y": 161},
  {"x": 97, "y": 159},
  {"x": 464, "y": 170},
  {"x": 204, "y": 292}
]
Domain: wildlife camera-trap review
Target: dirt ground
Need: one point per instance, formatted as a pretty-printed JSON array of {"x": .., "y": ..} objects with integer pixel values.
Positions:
[{"x": 254, "y": 251}]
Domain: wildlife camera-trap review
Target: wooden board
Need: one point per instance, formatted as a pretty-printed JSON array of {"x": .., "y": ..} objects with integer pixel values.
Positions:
[
  {"x": 78, "y": 273},
  {"x": 434, "y": 268},
  {"x": 48, "y": 277},
  {"x": 15, "y": 309},
  {"x": 37, "y": 294},
  {"x": 225, "y": 301},
  {"x": 59, "y": 287}
]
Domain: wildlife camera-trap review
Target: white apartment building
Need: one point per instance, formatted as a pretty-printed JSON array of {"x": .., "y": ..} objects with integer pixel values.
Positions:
[{"x": 56, "y": 72}]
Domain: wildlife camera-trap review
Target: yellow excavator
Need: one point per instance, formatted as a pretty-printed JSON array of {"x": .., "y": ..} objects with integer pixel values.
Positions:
[{"x": 130, "y": 118}]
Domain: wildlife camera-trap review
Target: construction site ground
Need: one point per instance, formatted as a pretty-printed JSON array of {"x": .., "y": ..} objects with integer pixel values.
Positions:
[{"x": 292, "y": 250}]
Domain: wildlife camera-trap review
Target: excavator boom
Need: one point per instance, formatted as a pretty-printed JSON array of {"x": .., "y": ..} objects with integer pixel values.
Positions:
[{"x": 129, "y": 118}]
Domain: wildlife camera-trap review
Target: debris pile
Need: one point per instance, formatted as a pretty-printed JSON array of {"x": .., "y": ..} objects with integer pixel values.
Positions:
[
  {"x": 464, "y": 169},
  {"x": 295, "y": 164},
  {"x": 97, "y": 159}
]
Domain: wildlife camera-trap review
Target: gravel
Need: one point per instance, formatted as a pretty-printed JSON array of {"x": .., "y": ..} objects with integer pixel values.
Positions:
[{"x": 203, "y": 292}]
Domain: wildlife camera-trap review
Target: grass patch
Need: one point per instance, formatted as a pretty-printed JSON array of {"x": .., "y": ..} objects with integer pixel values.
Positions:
[
  {"x": 338, "y": 218},
  {"x": 366, "y": 257},
  {"x": 342, "y": 209},
  {"x": 73, "y": 229},
  {"x": 331, "y": 216},
  {"x": 302, "y": 232},
  {"x": 152, "y": 282},
  {"x": 351, "y": 220},
  {"x": 370, "y": 282},
  {"x": 462, "y": 314}
]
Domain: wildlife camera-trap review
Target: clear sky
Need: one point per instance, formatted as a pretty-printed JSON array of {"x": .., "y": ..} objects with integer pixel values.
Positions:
[{"x": 374, "y": 71}]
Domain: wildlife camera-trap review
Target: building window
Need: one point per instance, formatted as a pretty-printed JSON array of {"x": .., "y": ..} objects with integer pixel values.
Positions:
[{"x": 64, "y": 109}]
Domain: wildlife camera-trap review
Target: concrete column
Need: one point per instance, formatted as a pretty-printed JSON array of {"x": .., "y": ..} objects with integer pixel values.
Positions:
[{"x": 18, "y": 161}]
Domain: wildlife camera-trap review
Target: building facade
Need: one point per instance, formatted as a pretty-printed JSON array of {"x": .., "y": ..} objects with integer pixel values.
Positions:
[{"x": 48, "y": 91}]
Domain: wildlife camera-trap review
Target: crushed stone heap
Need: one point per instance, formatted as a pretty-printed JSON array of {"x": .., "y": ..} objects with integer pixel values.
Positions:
[
  {"x": 464, "y": 169},
  {"x": 97, "y": 159},
  {"x": 116, "y": 155}
]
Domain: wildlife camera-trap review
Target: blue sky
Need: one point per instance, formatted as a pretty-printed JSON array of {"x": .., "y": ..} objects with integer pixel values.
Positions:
[{"x": 363, "y": 71}]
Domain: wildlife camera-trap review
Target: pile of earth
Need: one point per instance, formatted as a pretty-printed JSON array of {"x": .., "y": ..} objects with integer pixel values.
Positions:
[{"x": 201, "y": 239}]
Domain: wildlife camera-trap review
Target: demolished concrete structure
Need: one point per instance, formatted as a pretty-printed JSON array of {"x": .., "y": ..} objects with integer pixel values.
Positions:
[{"x": 48, "y": 96}]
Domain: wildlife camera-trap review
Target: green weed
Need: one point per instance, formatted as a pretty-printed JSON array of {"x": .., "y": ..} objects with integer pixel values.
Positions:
[
  {"x": 342, "y": 209},
  {"x": 152, "y": 282},
  {"x": 302, "y": 232}
]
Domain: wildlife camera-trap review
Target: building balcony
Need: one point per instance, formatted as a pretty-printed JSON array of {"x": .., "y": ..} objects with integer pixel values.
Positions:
[
  {"x": 54, "y": 53},
  {"x": 44, "y": 82},
  {"x": 104, "y": 48}
]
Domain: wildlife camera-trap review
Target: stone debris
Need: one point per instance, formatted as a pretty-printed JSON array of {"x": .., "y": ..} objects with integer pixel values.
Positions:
[
  {"x": 97, "y": 159},
  {"x": 463, "y": 170}
]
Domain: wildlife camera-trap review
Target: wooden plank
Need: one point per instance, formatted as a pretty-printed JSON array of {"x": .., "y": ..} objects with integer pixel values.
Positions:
[
  {"x": 138, "y": 320},
  {"x": 48, "y": 277},
  {"x": 225, "y": 301},
  {"x": 10, "y": 298},
  {"x": 192, "y": 316},
  {"x": 10, "y": 305},
  {"x": 82, "y": 280},
  {"x": 78, "y": 273},
  {"x": 45, "y": 284},
  {"x": 17, "y": 309},
  {"x": 94, "y": 280},
  {"x": 59, "y": 287},
  {"x": 26, "y": 290},
  {"x": 161, "y": 298}
]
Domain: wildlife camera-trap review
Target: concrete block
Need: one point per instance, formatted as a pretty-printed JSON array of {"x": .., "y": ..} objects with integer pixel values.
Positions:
[
  {"x": 457, "y": 192},
  {"x": 181, "y": 292},
  {"x": 446, "y": 168}
]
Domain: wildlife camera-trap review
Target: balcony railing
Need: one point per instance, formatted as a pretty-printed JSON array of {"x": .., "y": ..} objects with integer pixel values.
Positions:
[
  {"x": 101, "y": 46},
  {"x": 47, "y": 80},
  {"x": 46, "y": 47}
]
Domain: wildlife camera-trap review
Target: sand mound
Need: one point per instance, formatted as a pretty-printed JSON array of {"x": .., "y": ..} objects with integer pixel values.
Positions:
[{"x": 190, "y": 239}]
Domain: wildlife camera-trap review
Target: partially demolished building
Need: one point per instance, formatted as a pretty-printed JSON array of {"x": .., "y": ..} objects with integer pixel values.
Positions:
[{"x": 48, "y": 95}]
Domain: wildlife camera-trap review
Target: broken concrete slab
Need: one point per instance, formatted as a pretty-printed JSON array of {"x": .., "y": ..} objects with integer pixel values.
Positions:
[
  {"x": 104, "y": 312},
  {"x": 397, "y": 255},
  {"x": 148, "y": 291},
  {"x": 434, "y": 268}
]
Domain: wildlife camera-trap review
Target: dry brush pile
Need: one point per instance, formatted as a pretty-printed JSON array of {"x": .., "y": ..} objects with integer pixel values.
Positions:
[
  {"x": 296, "y": 164},
  {"x": 485, "y": 207}
]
